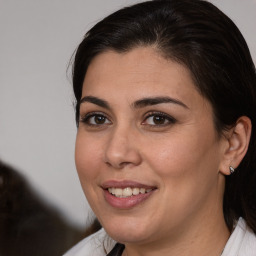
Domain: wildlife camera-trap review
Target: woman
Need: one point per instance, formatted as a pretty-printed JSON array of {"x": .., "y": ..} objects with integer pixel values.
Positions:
[{"x": 165, "y": 150}]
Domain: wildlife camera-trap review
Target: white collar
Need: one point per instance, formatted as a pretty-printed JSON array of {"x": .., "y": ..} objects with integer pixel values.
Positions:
[{"x": 242, "y": 241}]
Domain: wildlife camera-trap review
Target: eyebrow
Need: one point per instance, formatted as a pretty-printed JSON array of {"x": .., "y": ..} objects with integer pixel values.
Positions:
[
  {"x": 137, "y": 104},
  {"x": 96, "y": 101},
  {"x": 157, "y": 100}
]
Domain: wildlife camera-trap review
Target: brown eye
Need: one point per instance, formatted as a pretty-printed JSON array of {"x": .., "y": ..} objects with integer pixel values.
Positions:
[
  {"x": 95, "y": 119},
  {"x": 99, "y": 119},
  {"x": 159, "y": 119}
]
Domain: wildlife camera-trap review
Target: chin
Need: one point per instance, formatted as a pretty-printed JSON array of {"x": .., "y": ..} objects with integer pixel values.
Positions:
[{"x": 127, "y": 231}]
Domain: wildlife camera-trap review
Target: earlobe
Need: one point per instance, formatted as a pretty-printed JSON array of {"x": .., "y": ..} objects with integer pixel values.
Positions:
[{"x": 238, "y": 139}]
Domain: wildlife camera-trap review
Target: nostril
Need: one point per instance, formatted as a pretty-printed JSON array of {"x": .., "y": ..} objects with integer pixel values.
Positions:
[
  {"x": 108, "y": 164},
  {"x": 118, "y": 165}
]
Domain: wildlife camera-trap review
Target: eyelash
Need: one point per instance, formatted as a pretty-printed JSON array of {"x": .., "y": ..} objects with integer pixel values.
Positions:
[
  {"x": 86, "y": 119},
  {"x": 167, "y": 119}
]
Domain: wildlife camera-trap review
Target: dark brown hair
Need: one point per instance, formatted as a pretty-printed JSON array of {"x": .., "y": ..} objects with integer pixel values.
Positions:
[{"x": 199, "y": 36}]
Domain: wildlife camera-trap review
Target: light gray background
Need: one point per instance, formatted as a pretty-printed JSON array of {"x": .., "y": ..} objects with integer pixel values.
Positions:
[{"x": 37, "y": 124}]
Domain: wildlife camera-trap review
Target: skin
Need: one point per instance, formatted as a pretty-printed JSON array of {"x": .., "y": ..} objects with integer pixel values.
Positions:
[{"x": 181, "y": 159}]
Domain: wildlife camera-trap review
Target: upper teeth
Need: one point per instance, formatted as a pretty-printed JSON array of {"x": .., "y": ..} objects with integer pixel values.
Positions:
[{"x": 126, "y": 192}]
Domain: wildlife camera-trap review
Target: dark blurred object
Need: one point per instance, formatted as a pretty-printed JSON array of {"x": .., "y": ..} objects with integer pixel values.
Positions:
[{"x": 28, "y": 227}]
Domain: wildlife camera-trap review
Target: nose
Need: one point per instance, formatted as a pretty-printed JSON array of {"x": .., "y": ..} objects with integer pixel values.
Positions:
[{"x": 121, "y": 149}]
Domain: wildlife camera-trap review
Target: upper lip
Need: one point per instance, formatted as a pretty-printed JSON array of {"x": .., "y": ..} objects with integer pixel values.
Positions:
[{"x": 125, "y": 184}]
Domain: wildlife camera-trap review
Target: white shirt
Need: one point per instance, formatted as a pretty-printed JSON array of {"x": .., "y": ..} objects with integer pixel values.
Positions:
[
  {"x": 242, "y": 242},
  {"x": 97, "y": 244}
]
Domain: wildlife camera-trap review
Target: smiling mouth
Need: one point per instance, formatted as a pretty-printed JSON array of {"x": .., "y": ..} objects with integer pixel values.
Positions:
[{"x": 127, "y": 192}]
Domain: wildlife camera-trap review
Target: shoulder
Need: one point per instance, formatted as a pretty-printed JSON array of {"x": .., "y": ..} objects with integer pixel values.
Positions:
[
  {"x": 241, "y": 242},
  {"x": 98, "y": 244}
]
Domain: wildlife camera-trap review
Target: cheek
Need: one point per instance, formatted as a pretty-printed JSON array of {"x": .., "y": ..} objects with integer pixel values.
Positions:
[
  {"x": 87, "y": 158},
  {"x": 182, "y": 168},
  {"x": 173, "y": 156},
  {"x": 184, "y": 157}
]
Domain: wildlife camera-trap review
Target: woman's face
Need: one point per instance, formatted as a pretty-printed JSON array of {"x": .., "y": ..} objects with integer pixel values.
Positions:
[{"x": 147, "y": 152}]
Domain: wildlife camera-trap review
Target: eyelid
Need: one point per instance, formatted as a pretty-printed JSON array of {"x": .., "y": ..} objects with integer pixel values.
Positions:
[
  {"x": 171, "y": 120},
  {"x": 87, "y": 116}
]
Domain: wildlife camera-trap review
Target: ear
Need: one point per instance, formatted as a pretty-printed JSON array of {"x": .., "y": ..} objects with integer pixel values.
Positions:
[{"x": 237, "y": 139}]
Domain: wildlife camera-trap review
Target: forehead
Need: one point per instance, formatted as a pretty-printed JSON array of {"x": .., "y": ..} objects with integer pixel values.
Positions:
[{"x": 140, "y": 72}]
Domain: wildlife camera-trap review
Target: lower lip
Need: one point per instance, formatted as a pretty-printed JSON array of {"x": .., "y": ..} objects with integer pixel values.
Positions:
[{"x": 126, "y": 202}]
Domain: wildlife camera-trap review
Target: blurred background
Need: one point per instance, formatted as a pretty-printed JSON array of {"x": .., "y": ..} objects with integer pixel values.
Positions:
[{"x": 37, "y": 121}]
